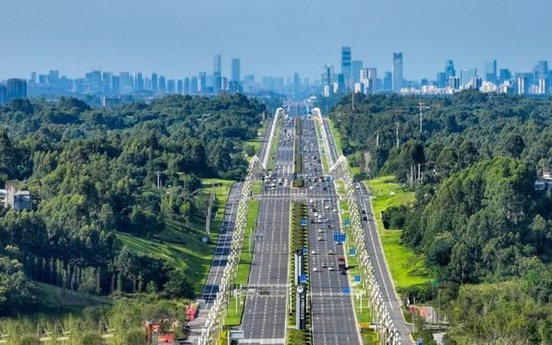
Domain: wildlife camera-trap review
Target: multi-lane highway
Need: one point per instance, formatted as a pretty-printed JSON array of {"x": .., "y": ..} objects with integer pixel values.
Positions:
[
  {"x": 264, "y": 317},
  {"x": 332, "y": 312},
  {"x": 381, "y": 271}
]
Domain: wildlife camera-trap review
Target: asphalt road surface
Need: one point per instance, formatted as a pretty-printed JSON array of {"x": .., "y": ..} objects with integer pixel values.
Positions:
[
  {"x": 381, "y": 270},
  {"x": 218, "y": 264},
  {"x": 333, "y": 318},
  {"x": 265, "y": 310}
]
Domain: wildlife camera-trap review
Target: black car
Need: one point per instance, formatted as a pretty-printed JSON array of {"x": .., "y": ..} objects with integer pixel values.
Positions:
[{"x": 364, "y": 218}]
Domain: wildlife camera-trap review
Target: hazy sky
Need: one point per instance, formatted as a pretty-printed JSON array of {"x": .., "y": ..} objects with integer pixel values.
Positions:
[{"x": 272, "y": 37}]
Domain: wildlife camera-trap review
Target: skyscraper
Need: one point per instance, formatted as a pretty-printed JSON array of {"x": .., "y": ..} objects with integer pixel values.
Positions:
[
  {"x": 466, "y": 76},
  {"x": 397, "y": 72},
  {"x": 162, "y": 84},
  {"x": 154, "y": 82},
  {"x": 387, "y": 81},
  {"x": 236, "y": 70},
  {"x": 356, "y": 67},
  {"x": 449, "y": 69},
  {"x": 16, "y": 88},
  {"x": 217, "y": 73},
  {"x": 346, "y": 57},
  {"x": 541, "y": 70},
  {"x": 3, "y": 94},
  {"x": 490, "y": 70}
]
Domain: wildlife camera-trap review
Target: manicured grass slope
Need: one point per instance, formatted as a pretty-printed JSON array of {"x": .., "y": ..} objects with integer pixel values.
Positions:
[
  {"x": 407, "y": 267},
  {"x": 181, "y": 244}
]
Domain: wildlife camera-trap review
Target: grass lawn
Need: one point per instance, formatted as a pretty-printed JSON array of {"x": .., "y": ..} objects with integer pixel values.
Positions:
[
  {"x": 337, "y": 138},
  {"x": 56, "y": 301},
  {"x": 181, "y": 244},
  {"x": 274, "y": 147},
  {"x": 407, "y": 267},
  {"x": 323, "y": 157}
]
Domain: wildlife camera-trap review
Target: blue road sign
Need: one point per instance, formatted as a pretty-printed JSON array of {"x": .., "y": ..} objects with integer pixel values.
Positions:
[
  {"x": 347, "y": 222},
  {"x": 303, "y": 222},
  {"x": 346, "y": 290},
  {"x": 304, "y": 251},
  {"x": 357, "y": 278},
  {"x": 419, "y": 342},
  {"x": 352, "y": 251},
  {"x": 303, "y": 278},
  {"x": 339, "y": 237}
]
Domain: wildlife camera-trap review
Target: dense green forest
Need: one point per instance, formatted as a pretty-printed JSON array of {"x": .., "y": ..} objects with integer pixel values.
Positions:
[
  {"x": 477, "y": 218},
  {"x": 94, "y": 172}
]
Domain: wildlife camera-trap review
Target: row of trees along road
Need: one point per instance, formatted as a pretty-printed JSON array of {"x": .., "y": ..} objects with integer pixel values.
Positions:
[
  {"x": 477, "y": 217},
  {"x": 93, "y": 171}
]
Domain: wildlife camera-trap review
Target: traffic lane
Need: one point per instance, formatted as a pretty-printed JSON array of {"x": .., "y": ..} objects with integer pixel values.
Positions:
[
  {"x": 382, "y": 274},
  {"x": 223, "y": 244}
]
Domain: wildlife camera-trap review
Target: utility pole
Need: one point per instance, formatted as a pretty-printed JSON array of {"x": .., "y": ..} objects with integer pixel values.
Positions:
[
  {"x": 422, "y": 107},
  {"x": 209, "y": 211},
  {"x": 377, "y": 138},
  {"x": 158, "y": 179},
  {"x": 397, "y": 132}
]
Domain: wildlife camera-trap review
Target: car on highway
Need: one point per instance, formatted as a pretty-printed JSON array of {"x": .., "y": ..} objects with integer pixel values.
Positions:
[
  {"x": 364, "y": 218},
  {"x": 331, "y": 268},
  {"x": 321, "y": 231},
  {"x": 320, "y": 238},
  {"x": 315, "y": 269},
  {"x": 363, "y": 211},
  {"x": 331, "y": 252},
  {"x": 324, "y": 265},
  {"x": 314, "y": 252}
]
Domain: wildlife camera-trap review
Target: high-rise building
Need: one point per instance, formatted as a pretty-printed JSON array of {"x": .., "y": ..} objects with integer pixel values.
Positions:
[
  {"x": 203, "y": 82},
  {"x": 441, "y": 80},
  {"x": 236, "y": 70},
  {"x": 154, "y": 82},
  {"x": 138, "y": 82},
  {"x": 194, "y": 85},
  {"x": 327, "y": 76},
  {"x": 490, "y": 70},
  {"x": 397, "y": 72},
  {"x": 162, "y": 84},
  {"x": 541, "y": 70},
  {"x": 466, "y": 76},
  {"x": 3, "y": 94},
  {"x": 356, "y": 67},
  {"x": 504, "y": 75},
  {"x": 296, "y": 84},
  {"x": 346, "y": 57},
  {"x": 16, "y": 88},
  {"x": 171, "y": 86},
  {"x": 449, "y": 69},
  {"x": 387, "y": 81},
  {"x": 217, "y": 73},
  {"x": 180, "y": 86}
]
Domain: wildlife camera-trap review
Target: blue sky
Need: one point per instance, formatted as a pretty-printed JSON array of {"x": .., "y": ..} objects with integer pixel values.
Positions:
[{"x": 272, "y": 37}]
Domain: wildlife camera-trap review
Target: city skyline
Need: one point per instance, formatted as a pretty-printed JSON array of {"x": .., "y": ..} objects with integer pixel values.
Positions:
[{"x": 272, "y": 38}]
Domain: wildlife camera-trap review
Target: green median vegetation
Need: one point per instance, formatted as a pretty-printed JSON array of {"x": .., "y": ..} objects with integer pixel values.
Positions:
[{"x": 299, "y": 240}]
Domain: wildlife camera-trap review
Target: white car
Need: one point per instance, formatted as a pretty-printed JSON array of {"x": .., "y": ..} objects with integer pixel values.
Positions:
[
  {"x": 314, "y": 252},
  {"x": 315, "y": 269},
  {"x": 320, "y": 238}
]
